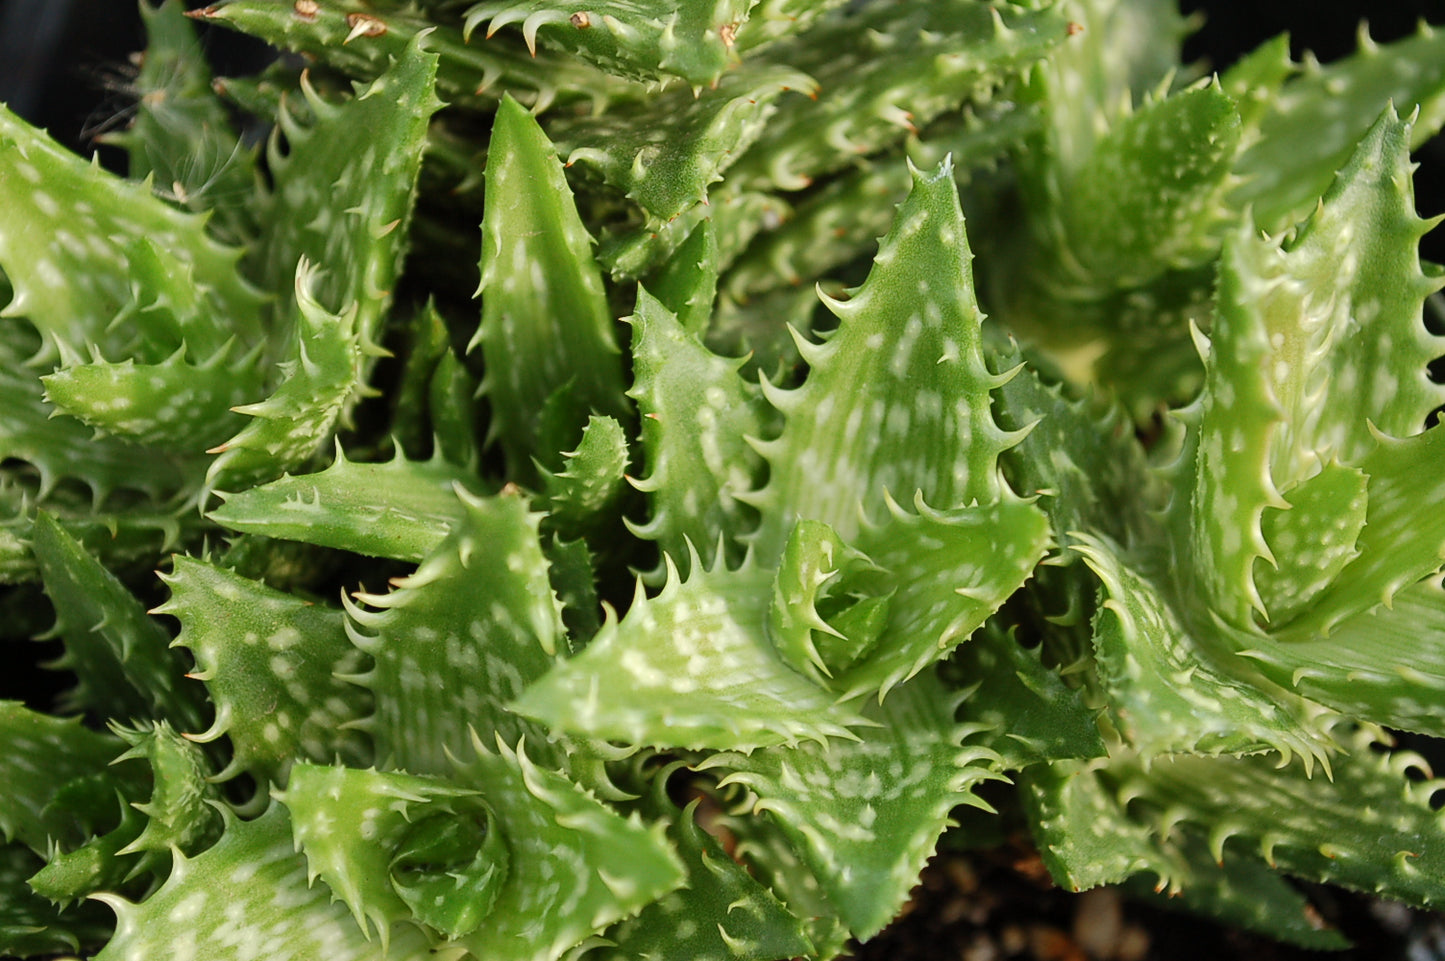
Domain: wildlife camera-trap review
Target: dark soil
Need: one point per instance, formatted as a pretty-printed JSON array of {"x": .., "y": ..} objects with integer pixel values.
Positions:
[{"x": 1000, "y": 905}]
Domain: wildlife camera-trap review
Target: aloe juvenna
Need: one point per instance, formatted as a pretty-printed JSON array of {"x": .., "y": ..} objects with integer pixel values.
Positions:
[{"x": 518, "y": 512}]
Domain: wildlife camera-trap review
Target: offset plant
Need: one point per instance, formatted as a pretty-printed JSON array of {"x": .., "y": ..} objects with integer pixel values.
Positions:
[{"x": 395, "y": 694}]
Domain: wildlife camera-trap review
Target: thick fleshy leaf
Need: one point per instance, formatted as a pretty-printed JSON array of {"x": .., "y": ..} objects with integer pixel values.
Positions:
[
  {"x": 323, "y": 377},
  {"x": 697, "y": 412},
  {"x": 888, "y": 70},
  {"x": 692, "y": 667},
  {"x": 248, "y": 896},
  {"x": 1384, "y": 664},
  {"x": 332, "y": 807},
  {"x": 1025, "y": 711},
  {"x": 178, "y": 815},
  {"x": 1088, "y": 835},
  {"x": 585, "y": 495},
  {"x": 270, "y": 662},
  {"x": 121, "y": 657},
  {"x": 1367, "y": 825},
  {"x": 98, "y": 262},
  {"x": 176, "y": 404},
  {"x": 843, "y": 217},
  {"x": 545, "y": 322},
  {"x": 343, "y": 191},
  {"x": 812, "y": 562},
  {"x": 865, "y": 815},
  {"x": 180, "y": 812},
  {"x": 124, "y": 536},
  {"x": 1083, "y": 460},
  {"x": 1312, "y": 352},
  {"x": 400, "y": 509},
  {"x": 32, "y": 926},
  {"x": 39, "y": 756},
  {"x": 363, "y": 42},
  {"x": 61, "y": 448},
  {"x": 1149, "y": 198},
  {"x": 1309, "y": 117},
  {"x": 898, "y": 398},
  {"x": 1318, "y": 534},
  {"x": 181, "y": 134},
  {"x": 1174, "y": 681},
  {"x": 721, "y": 913},
  {"x": 664, "y": 153},
  {"x": 642, "y": 40},
  {"x": 455, "y": 642},
  {"x": 434, "y": 403},
  {"x": 1398, "y": 545},
  {"x": 687, "y": 284},
  {"x": 576, "y": 866},
  {"x": 737, "y": 217},
  {"x": 943, "y": 573}
]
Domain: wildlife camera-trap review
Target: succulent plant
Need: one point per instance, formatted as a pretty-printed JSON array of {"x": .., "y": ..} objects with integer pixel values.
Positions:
[{"x": 516, "y": 512}]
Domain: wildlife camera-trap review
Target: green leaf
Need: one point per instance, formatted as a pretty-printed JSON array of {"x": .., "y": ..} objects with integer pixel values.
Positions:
[
  {"x": 178, "y": 816},
  {"x": 1088, "y": 834},
  {"x": 642, "y": 41},
  {"x": 547, "y": 326},
  {"x": 323, "y": 377},
  {"x": 61, "y": 448},
  {"x": 344, "y": 188},
  {"x": 692, "y": 667},
  {"x": 121, "y": 656},
  {"x": 362, "y": 42},
  {"x": 1318, "y": 534},
  {"x": 944, "y": 573},
  {"x": 180, "y": 813},
  {"x": 1082, "y": 458},
  {"x": 1150, "y": 196},
  {"x": 39, "y": 756},
  {"x": 898, "y": 398},
  {"x": 455, "y": 642},
  {"x": 1125, "y": 49},
  {"x": 696, "y": 415},
  {"x": 1311, "y": 355},
  {"x": 420, "y": 834},
  {"x": 586, "y": 495},
  {"x": 1025, "y": 711},
  {"x": 401, "y": 509},
  {"x": 177, "y": 404},
  {"x": 273, "y": 665},
  {"x": 96, "y": 261},
  {"x": 1398, "y": 545},
  {"x": 1307, "y": 126},
  {"x": 885, "y": 71},
  {"x": 721, "y": 913},
  {"x": 864, "y": 815},
  {"x": 130, "y": 533},
  {"x": 663, "y": 153},
  {"x": 248, "y": 895},
  {"x": 29, "y": 924},
  {"x": 433, "y": 405},
  {"x": 812, "y": 560},
  {"x": 687, "y": 284},
  {"x": 1368, "y": 825},
  {"x": 842, "y": 218},
  {"x": 576, "y": 866},
  {"x": 1174, "y": 681},
  {"x": 1383, "y": 664},
  {"x": 631, "y": 251}
]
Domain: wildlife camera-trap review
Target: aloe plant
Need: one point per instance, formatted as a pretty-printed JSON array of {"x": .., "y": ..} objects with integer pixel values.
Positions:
[{"x": 517, "y": 511}]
